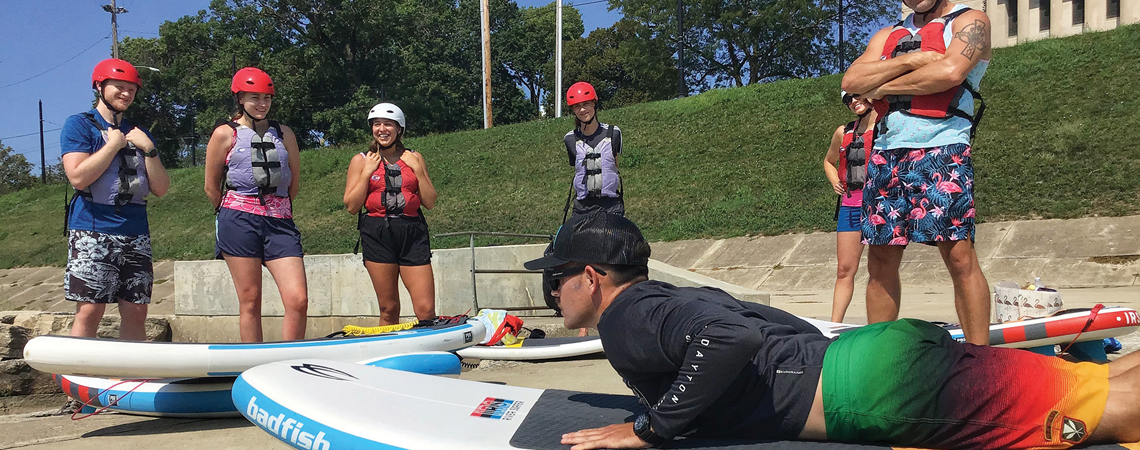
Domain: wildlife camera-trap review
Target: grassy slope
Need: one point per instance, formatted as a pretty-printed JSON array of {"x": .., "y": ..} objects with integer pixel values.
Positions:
[{"x": 1059, "y": 141}]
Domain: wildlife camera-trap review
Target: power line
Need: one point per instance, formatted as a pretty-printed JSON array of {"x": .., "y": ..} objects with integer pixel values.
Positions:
[
  {"x": 30, "y": 134},
  {"x": 144, "y": 32},
  {"x": 57, "y": 65},
  {"x": 588, "y": 3}
]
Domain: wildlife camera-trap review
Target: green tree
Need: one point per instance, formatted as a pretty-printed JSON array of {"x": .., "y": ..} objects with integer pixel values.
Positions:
[
  {"x": 15, "y": 171},
  {"x": 196, "y": 56},
  {"x": 623, "y": 64},
  {"x": 750, "y": 41},
  {"x": 330, "y": 62},
  {"x": 528, "y": 48}
]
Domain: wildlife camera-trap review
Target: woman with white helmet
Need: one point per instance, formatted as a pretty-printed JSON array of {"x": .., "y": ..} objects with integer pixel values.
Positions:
[
  {"x": 845, "y": 167},
  {"x": 252, "y": 177},
  {"x": 387, "y": 186}
]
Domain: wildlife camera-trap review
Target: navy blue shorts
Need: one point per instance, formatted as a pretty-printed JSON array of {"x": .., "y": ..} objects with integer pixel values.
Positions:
[
  {"x": 849, "y": 218},
  {"x": 919, "y": 195},
  {"x": 395, "y": 240},
  {"x": 249, "y": 235}
]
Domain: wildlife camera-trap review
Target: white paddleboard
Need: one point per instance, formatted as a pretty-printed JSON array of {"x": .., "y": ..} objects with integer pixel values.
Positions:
[
  {"x": 327, "y": 405},
  {"x": 531, "y": 349},
  {"x": 134, "y": 359}
]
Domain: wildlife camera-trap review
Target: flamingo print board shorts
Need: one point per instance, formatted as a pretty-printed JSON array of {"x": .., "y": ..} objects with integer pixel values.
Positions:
[
  {"x": 919, "y": 195},
  {"x": 908, "y": 383}
]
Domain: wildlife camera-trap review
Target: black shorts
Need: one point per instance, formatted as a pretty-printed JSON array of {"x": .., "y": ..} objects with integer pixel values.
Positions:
[
  {"x": 395, "y": 240},
  {"x": 612, "y": 205},
  {"x": 106, "y": 268}
]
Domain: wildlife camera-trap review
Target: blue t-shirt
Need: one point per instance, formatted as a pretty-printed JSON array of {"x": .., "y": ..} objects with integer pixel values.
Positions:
[{"x": 80, "y": 135}]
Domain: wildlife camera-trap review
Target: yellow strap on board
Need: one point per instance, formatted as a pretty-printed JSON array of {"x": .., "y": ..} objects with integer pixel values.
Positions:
[{"x": 353, "y": 330}]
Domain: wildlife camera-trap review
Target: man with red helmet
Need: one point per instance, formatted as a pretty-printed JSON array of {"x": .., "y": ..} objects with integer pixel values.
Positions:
[
  {"x": 112, "y": 165},
  {"x": 252, "y": 177},
  {"x": 592, "y": 148},
  {"x": 923, "y": 75}
]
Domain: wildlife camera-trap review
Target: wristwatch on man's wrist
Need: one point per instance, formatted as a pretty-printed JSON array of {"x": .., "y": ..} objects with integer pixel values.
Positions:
[
  {"x": 643, "y": 430},
  {"x": 152, "y": 153}
]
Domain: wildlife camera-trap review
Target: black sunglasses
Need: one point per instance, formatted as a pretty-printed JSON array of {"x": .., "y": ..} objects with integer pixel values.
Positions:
[{"x": 555, "y": 276}]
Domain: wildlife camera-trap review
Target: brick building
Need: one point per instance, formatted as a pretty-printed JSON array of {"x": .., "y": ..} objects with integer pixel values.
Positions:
[{"x": 1015, "y": 21}]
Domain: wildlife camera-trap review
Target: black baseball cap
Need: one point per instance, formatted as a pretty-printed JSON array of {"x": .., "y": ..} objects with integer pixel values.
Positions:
[{"x": 597, "y": 238}]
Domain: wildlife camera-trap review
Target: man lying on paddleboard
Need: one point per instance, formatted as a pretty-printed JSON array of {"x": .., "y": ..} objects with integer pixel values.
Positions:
[{"x": 709, "y": 364}]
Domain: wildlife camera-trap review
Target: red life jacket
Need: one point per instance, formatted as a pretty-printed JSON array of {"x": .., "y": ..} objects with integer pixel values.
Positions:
[
  {"x": 942, "y": 105},
  {"x": 853, "y": 159},
  {"x": 393, "y": 190}
]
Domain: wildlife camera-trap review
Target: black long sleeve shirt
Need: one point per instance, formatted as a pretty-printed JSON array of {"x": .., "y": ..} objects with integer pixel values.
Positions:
[{"x": 706, "y": 362}]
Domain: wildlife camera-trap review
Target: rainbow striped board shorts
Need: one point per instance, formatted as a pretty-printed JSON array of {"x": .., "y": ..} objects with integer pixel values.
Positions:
[{"x": 908, "y": 383}]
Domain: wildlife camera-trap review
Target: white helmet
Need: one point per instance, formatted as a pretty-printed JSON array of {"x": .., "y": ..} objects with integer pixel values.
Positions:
[{"x": 387, "y": 111}]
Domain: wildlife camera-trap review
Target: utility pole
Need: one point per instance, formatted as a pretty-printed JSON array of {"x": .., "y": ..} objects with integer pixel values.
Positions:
[
  {"x": 681, "y": 90},
  {"x": 842, "y": 57},
  {"x": 558, "y": 60},
  {"x": 194, "y": 141},
  {"x": 115, "y": 11},
  {"x": 485, "y": 12},
  {"x": 43, "y": 161}
]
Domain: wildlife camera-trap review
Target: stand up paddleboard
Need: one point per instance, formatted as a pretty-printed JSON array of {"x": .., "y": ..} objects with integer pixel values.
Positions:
[
  {"x": 209, "y": 397},
  {"x": 1036, "y": 334},
  {"x": 1040, "y": 335},
  {"x": 326, "y": 405},
  {"x": 531, "y": 349},
  {"x": 133, "y": 359}
]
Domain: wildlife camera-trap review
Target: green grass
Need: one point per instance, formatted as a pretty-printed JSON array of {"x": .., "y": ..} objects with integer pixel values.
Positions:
[{"x": 1060, "y": 140}]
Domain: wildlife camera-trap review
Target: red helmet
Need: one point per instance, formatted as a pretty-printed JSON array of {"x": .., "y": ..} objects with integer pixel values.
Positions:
[
  {"x": 580, "y": 92},
  {"x": 114, "y": 69},
  {"x": 252, "y": 79}
]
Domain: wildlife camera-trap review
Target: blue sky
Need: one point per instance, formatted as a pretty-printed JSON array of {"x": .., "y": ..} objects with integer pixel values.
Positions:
[{"x": 50, "y": 47}]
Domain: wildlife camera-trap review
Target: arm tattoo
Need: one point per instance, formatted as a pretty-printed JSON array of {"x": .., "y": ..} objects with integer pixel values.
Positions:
[{"x": 976, "y": 37}]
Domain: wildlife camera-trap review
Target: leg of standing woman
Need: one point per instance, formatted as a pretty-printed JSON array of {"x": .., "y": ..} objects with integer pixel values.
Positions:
[
  {"x": 132, "y": 317},
  {"x": 87, "y": 315},
  {"x": 383, "y": 277},
  {"x": 289, "y": 274},
  {"x": 246, "y": 273},
  {"x": 420, "y": 282},
  {"x": 848, "y": 250}
]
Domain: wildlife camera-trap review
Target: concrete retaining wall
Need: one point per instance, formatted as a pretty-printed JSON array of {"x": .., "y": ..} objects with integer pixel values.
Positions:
[
  {"x": 1077, "y": 253},
  {"x": 206, "y": 302}
]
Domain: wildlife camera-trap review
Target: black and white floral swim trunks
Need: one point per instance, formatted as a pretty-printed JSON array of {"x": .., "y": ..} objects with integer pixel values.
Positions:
[{"x": 106, "y": 268}]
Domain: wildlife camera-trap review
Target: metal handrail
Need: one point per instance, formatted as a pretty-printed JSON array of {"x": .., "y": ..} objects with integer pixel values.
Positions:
[{"x": 474, "y": 271}]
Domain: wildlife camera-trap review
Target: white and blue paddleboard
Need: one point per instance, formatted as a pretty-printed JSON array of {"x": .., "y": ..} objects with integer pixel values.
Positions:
[
  {"x": 1062, "y": 328},
  {"x": 134, "y": 359},
  {"x": 208, "y": 397},
  {"x": 531, "y": 349},
  {"x": 327, "y": 405}
]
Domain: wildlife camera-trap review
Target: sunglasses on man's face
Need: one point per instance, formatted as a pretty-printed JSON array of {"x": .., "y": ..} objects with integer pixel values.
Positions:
[{"x": 556, "y": 276}]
